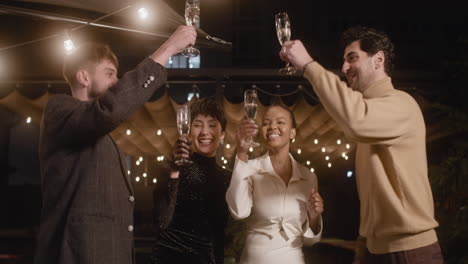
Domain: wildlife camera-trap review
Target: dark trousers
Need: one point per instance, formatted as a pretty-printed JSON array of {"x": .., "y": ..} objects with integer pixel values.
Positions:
[{"x": 424, "y": 255}]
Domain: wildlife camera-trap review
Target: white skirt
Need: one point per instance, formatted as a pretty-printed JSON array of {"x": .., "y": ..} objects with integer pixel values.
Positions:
[{"x": 263, "y": 248}]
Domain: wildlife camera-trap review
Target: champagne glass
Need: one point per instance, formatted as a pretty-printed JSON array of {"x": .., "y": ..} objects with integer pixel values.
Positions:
[
  {"x": 283, "y": 31},
  {"x": 183, "y": 126},
  {"x": 192, "y": 18},
  {"x": 250, "y": 107}
]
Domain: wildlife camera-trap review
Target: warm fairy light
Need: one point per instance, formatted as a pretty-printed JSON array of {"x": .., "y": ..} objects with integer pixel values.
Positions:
[
  {"x": 155, "y": 180},
  {"x": 144, "y": 175},
  {"x": 137, "y": 179},
  {"x": 327, "y": 158},
  {"x": 222, "y": 158},
  {"x": 346, "y": 157},
  {"x": 343, "y": 154},
  {"x": 129, "y": 132},
  {"x": 162, "y": 158},
  {"x": 68, "y": 45},
  {"x": 348, "y": 146},
  {"x": 143, "y": 13},
  {"x": 251, "y": 149},
  {"x": 338, "y": 142},
  {"x": 293, "y": 140},
  {"x": 308, "y": 162},
  {"x": 323, "y": 149},
  {"x": 349, "y": 174},
  {"x": 28, "y": 120},
  {"x": 224, "y": 167},
  {"x": 315, "y": 141},
  {"x": 312, "y": 170},
  {"x": 329, "y": 164},
  {"x": 299, "y": 151},
  {"x": 137, "y": 163},
  {"x": 225, "y": 161},
  {"x": 228, "y": 146},
  {"x": 129, "y": 172},
  {"x": 159, "y": 132},
  {"x": 140, "y": 159}
]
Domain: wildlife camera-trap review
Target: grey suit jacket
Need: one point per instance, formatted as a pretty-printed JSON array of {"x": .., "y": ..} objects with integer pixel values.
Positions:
[{"x": 87, "y": 213}]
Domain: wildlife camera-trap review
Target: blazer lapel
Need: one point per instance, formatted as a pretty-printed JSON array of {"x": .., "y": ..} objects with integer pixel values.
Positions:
[{"x": 123, "y": 167}]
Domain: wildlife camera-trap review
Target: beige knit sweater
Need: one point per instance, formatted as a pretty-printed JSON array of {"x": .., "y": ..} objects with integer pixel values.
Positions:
[{"x": 397, "y": 210}]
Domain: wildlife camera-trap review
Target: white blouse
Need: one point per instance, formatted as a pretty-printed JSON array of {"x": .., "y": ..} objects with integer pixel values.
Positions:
[{"x": 277, "y": 222}]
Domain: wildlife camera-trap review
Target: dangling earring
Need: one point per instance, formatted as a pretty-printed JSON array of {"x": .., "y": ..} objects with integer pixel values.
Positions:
[{"x": 222, "y": 141}]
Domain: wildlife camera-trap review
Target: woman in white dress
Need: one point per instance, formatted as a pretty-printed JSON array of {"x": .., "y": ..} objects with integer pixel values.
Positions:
[{"x": 277, "y": 196}]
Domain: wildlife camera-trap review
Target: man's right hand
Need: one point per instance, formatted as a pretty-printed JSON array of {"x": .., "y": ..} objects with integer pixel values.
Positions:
[{"x": 179, "y": 40}]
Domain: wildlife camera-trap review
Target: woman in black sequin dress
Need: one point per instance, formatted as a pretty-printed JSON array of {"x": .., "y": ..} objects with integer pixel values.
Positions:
[{"x": 189, "y": 203}]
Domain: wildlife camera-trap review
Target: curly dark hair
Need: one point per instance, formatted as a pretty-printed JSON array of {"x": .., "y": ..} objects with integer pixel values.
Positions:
[
  {"x": 372, "y": 41},
  {"x": 208, "y": 107}
]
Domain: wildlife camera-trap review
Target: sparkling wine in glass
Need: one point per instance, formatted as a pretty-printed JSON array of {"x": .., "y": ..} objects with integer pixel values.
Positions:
[
  {"x": 283, "y": 31},
  {"x": 192, "y": 18},
  {"x": 250, "y": 107},
  {"x": 183, "y": 126}
]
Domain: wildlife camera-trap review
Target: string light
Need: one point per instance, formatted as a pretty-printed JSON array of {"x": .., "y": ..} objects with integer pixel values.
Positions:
[
  {"x": 346, "y": 157},
  {"x": 293, "y": 140},
  {"x": 129, "y": 132},
  {"x": 222, "y": 158},
  {"x": 228, "y": 146},
  {"x": 137, "y": 179},
  {"x": 137, "y": 163},
  {"x": 327, "y": 158},
  {"x": 299, "y": 151},
  {"x": 129, "y": 172},
  {"x": 315, "y": 141},
  {"x": 224, "y": 167},
  {"x": 348, "y": 146},
  {"x": 144, "y": 175},
  {"x": 159, "y": 132},
  {"x": 155, "y": 180},
  {"x": 349, "y": 174},
  {"x": 343, "y": 154},
  {"x": 312, "y": 170},
  {"x": 329, "y": 164},
  {"x": 251, "y": 149},
  {"x": 308, "y": 162},
  {"x": 143, "y": 13},
  {"x": 338, "y": 142},
  {"x": 68, "y": 45},
  {"x": 28, "y": 120},
  {"x": 140, "y": 159},
  {"x": 323, "y": 149},
  {"x": 225, "y": 161}
]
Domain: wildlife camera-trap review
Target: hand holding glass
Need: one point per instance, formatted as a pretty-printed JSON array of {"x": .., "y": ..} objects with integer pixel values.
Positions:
[
  {"x": 283, "y": 31},
  {"x": 250, "y": 107},
  {"x": 192, "y": 18},
  {"x": 183, "y": 126}
]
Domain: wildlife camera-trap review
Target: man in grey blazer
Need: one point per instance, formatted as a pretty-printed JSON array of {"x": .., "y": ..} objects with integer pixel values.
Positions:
[{"x": 87, "y": 213}]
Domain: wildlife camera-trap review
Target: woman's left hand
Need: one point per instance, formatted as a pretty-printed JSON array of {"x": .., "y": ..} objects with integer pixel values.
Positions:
[{"x": 314, "y": 204}]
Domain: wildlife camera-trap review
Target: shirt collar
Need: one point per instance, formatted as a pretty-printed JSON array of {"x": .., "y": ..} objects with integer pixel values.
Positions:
[{"x": 379, "y": 88}]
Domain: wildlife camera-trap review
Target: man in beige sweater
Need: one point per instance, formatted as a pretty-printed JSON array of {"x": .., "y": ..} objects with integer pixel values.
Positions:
[{"x": 397, "y": 211}]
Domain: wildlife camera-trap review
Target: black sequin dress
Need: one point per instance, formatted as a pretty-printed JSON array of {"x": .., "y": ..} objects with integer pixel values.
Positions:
[{"x": 190, "y": 214}]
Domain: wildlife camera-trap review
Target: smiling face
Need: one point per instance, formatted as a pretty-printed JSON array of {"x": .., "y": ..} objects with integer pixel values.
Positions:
[
  {"x": 206, "y": 135},
  {"x": 360, "y": 68},
  {"x": 277, "y": 128}
]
